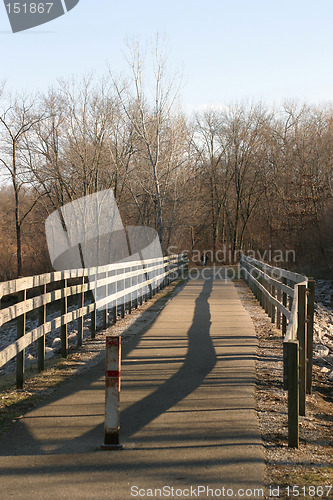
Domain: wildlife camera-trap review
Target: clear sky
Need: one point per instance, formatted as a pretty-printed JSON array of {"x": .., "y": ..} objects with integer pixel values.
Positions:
[{"x": 229, "y": 50}]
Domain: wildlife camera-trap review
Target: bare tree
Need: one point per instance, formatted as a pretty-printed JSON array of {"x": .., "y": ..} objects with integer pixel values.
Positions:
[
  {"x": 210, "y": 145},
  {"x": 17, "y": 120},
  {"x": 153, "y": 120},
  {"x": 89, "y": 112},
  {"x": 245, "y": 129}
]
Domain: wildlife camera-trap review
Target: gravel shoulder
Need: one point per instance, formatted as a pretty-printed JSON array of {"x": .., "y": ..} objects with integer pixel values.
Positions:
[{"x": 312, "y": 463}]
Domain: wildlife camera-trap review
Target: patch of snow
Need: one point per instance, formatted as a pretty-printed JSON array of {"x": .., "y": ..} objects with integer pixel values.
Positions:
[
  {"x": 323, "y": 326},
  {"x": 321, "y": 350},
  {"x": 49, "y": 353},
  {"x": 52, "y": 341}
]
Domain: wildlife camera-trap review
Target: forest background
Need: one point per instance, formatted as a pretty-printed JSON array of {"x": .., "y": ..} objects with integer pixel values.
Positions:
[{"x": 243, "y": 177}]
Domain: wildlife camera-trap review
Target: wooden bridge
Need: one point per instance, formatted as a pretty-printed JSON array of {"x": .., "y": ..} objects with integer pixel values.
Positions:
[{"x": 188, "y": 412}]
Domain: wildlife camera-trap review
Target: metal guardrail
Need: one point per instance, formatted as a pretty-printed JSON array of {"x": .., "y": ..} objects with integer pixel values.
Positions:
[
  {"x": 122, "y": 285},
  {"x": 288, "y": 298}
]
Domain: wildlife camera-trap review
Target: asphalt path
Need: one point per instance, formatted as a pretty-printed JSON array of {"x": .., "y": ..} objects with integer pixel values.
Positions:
[{"x": 189, "y": 427}]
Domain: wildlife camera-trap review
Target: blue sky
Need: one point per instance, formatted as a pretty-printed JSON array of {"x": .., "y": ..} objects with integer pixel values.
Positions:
[{"x": 229, "y": 50}]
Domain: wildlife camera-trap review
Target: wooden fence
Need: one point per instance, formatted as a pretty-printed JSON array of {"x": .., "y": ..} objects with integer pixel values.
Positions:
[
  {"x": 113, "y": 288},
  {"x": 288, "y": 298}
]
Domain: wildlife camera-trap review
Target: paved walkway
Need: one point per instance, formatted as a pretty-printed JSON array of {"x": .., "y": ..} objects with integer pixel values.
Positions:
[{"x": 188, "y": 414}]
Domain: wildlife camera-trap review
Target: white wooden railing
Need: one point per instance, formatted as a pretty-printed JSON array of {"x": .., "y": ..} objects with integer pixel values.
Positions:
[
  {"x": 112, "y": 288},
  {"x": 288, "y": 298}
]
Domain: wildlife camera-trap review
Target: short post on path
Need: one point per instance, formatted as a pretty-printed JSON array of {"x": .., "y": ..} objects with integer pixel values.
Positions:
[{"x": 112, "y": 393}]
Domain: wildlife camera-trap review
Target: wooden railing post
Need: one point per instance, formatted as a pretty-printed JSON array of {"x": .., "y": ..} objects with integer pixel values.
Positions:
[
  {"x": 169, "y": 274},
  {"x": 130, "y": 294},
  {"x": 309, "y": 332},
  {"x": 292, "y": 285},
  {"x": 293, "y": 394},
  {"x": 169, "y": 270},
  {"x": 80, "y": 304},
  {"x": 136, "y": 293},
  {"x": 93, "y": 326},
  {"x": 150, "y": 285},
  {"x": 159, "y": 274},
  {"x": 301, "y": 337},
  {"x": 20, "y": 331},
  {"x": 284, "y": 303},
  {"x": 159, "y": 280},
  {"x": 153, "y": 283},
  {"x": 105, "y": 307},
  {"x": 115, "y": 302},
  {"x": 90, "y": 296},
  {"x": 140, "y": 280},
  {"x": 123, "y": 303},
  {"x": 41, "y": 340},
  {"x": 285, "y": 366},
  {"x": 63, "y": 335},
  {"x": 253, "y": 283},
  {"x": 266, "y": 298},
  {"x": 273, "y": 306},
  {"x": 143, "y": 286},
  {"x": 260, "y": 294},
  {"x": 256, "y": 287},
  {"x": 109, "y": 305},
  {"x": 269, "y": 304},
  {"x": 278, "y": 312},
  {"x": 165, "y": 282}
]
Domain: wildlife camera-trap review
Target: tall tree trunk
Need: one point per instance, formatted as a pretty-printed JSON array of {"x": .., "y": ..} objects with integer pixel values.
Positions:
[{"x": 18, "y": 244}]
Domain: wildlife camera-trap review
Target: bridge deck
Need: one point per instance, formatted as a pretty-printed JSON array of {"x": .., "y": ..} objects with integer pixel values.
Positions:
[{"x": 188, "y": 412}]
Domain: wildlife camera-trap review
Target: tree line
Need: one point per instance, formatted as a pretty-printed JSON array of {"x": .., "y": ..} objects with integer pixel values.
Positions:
[{"x": 243, "y": 177}]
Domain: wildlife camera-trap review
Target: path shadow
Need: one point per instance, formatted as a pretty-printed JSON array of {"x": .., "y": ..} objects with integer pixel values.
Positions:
[{"x": 199, "y": 362}]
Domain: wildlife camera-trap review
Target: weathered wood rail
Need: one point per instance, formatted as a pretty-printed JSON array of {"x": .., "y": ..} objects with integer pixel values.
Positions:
[
  {"x": 108, "y": 288},
  {"x": 288, "y": 298}
]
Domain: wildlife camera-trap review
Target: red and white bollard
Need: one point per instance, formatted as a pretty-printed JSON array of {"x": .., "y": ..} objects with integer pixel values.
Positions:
[{"x": 112, "y": 393}]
